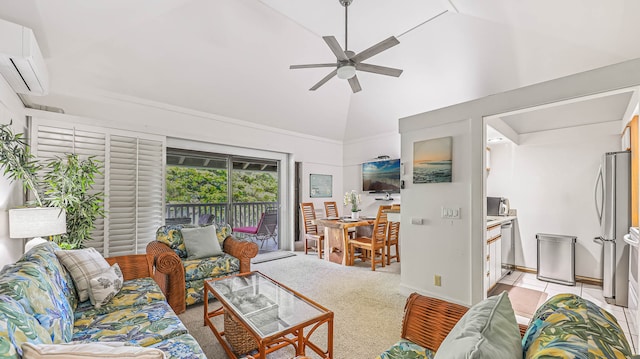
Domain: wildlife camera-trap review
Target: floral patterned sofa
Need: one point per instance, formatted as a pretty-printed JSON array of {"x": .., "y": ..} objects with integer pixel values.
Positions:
[
  {"x": 185, "y": 285},
  {"x": 566, "y": 326},
  {"x": 39, "y": 305}
]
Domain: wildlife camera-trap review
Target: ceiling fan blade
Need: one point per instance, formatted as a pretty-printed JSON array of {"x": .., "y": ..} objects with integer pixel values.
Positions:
[
  {"x": 325, "y": 79},
  {"x": 311, "y": 66},
  {"x": 335, "y": 47},
  {"x": 355, "y": 84},
  {"x": 376, "y": 49},
  {"x": 389, "y": 71}
]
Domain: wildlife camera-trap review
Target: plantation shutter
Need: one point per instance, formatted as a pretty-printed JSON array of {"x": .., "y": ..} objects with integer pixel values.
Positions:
[
  {"x": 150, "y": 191},
  {"x": 136, "y": 188},
  {"x": 122, "y": 195},
  {"x": 54, "y": 142},
  {"x": 133, "y": 179}
]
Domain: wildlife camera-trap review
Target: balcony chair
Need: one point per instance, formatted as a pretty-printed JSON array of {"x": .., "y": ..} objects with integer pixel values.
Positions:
[
  {"x": 375, "y": 244},
  {"x": 205, "y": 219},
  {"x": 266, "y": 229},
  {"x": 311, "y": 233},
  {"x": 393, "y": 233}
]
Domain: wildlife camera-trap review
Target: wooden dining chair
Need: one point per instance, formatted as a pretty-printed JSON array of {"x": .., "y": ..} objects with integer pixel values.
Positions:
[
  {"x": 393, "y": 233},
  {"x": 375, "y": 244},
  {"x": 331, "y": 209},
  {"x": 311, "y": 234}
]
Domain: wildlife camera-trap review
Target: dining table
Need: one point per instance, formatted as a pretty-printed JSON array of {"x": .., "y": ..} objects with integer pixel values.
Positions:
[{"x": 336, "y": 236}]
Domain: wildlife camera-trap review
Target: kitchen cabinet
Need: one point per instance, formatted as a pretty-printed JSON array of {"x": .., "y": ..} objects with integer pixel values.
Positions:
[{"x": 494, "y": 256}]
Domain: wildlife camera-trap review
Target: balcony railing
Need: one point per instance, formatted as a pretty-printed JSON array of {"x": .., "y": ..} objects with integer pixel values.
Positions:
[{"x": 236, "y": 214}]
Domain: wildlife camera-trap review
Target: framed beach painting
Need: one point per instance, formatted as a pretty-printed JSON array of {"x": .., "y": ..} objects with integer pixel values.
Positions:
[
  {"x": 320, "y": 186},
  {"x": 432, "y": 160}
]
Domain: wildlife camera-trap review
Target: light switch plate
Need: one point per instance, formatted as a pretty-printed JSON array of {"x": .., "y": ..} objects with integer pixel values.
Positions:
[
  {"x": 416, "y": 220},
  {"x": 450, "y": 213}
]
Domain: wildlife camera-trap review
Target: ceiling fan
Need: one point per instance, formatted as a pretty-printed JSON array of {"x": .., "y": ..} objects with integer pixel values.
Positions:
[{"x": 347, "y": 61}]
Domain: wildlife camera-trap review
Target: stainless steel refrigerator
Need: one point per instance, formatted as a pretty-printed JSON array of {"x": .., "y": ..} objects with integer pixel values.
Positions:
[{"x": 613, "y": 207}]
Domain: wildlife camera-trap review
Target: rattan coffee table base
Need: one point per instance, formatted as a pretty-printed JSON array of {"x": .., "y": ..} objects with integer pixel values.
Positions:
[{"x": 240, "y": 338}]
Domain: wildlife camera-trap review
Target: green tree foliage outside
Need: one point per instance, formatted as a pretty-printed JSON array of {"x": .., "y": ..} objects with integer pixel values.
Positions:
[{"x": 199, "y": 185}]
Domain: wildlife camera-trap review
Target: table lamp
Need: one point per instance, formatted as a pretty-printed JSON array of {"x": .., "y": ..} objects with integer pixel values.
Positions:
[{"x": 36, "y": 223}]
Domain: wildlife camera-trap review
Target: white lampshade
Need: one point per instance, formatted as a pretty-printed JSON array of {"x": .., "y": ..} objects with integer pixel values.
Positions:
[
  {"x": 36, "y": 222},
  {"x": 346, "y": 72}
]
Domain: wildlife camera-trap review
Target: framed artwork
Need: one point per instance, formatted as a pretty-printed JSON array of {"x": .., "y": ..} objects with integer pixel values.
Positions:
[
  {"x": 320, "y": 186},
  {"x": 432, "y": 160}
]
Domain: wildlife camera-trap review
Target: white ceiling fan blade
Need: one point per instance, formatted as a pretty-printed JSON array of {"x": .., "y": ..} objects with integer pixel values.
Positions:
[
  {"x": 325, "y": 79},
  {"x": 355, "y": 84},
  {"x": 335, "y": 47},
  {"x": 309, "y": 66},
  {"x": 382, "y": 70},
  {"x": 376, "y": 49}
]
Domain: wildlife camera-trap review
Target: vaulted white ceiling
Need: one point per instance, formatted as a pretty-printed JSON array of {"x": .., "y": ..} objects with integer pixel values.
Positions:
[{"x": 231, "y": 57}]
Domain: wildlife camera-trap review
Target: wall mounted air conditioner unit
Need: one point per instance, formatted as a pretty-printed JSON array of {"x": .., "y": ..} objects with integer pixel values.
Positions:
[{"x": 21, "y": 61}]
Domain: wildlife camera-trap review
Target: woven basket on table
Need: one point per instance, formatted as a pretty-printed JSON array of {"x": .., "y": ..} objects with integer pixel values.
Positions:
[{"x": 240, "y": 339}]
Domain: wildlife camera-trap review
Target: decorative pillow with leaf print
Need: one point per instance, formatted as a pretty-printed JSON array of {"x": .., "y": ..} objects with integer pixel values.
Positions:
[{"x": 105, "y": 286}]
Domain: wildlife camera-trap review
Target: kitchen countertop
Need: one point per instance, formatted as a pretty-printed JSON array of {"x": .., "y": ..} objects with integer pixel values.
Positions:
[{"x": 495, "y": 220}]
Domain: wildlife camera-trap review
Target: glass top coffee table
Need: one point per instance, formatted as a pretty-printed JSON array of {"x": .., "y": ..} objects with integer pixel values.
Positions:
[{"x": 263, "y": 315}]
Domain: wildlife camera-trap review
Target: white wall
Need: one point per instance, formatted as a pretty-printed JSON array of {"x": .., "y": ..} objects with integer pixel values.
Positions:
[
  {"x": 11, "y": 195},
  {"x": 366, "y": 150},
  {"x": 549, "y": 179},
  {"x": 431, "y": 248},
  {"x": 457, "y": 253}
]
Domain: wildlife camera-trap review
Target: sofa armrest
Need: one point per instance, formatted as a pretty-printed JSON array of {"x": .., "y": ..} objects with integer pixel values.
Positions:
[
  {"x": 427, "y": 321},
  {"x": 168, "y": 272},
  {"x": 132, "y": 266},
  {"x": 242, "y": 250}
]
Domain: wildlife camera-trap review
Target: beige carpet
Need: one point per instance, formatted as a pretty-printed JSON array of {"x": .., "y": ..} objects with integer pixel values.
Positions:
[
  {"x": 367, "y": 306},
  {"x": 524, "y": 301}
]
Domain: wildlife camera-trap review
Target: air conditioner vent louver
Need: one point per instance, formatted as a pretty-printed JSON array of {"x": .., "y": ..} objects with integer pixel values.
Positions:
[{"x": 21, "y": 62}]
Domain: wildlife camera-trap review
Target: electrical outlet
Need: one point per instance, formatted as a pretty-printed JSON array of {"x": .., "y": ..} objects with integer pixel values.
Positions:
[{"x": 437, "y": 281}]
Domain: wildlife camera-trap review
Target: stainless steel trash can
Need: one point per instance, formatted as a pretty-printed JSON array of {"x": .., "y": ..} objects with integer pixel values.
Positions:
[{"x": 557, "y": 258}]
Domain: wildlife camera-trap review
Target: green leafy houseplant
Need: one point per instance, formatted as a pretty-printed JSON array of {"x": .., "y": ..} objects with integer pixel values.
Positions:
[
  {"x": 69, "y": 183},
  {"x": 18, "y": 162}
]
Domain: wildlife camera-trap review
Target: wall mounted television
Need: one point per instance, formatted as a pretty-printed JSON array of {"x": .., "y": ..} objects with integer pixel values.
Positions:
[{"x": 381, "y": 176}]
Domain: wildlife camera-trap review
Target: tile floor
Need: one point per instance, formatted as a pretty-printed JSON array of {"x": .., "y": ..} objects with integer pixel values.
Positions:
[{"x": 587, "y": 291}]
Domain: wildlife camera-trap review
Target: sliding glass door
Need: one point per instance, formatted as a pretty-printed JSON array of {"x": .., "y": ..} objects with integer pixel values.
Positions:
[{"x": 242, "y": 192}]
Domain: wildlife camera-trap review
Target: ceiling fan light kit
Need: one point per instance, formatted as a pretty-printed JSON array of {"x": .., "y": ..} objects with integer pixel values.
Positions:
[
  {"x": 346, "y": 72},
  {"x": 348, "y": 62}
]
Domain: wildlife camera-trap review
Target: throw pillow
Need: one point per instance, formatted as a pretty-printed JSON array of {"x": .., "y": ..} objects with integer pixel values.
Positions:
[
  {"x": 201, "y": 242},
  {"x": 89, "y": 351},
  {"x": 83, "y": 264},
  {"x": 105, "y": 286},
  {"x": 488, "y": 330},
  {"x": 223, "y": 231}
]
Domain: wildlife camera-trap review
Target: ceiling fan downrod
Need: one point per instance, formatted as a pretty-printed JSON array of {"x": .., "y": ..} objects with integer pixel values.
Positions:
[{"x": 346, "y": 4}]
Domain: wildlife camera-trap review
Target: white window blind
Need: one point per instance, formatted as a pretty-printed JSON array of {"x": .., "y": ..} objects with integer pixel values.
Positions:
[{"x": 133, "y": 167}]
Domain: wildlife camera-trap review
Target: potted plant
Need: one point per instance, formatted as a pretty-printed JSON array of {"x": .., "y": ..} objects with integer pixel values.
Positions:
[
  {"x": 353, "y": 198},
  {"x": 69, "y": 182}
]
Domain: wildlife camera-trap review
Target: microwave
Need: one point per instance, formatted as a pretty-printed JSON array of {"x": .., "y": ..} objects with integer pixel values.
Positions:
[{"x": 497, "y": 206}]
